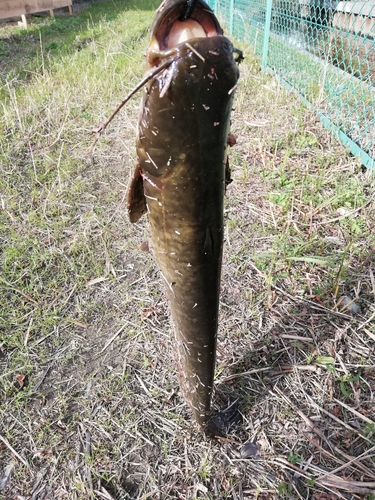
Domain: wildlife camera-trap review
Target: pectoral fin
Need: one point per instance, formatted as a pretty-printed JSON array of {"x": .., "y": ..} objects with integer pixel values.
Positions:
[{"x": 136, "y": 198}]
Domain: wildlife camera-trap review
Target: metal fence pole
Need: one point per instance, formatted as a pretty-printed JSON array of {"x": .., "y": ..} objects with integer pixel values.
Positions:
[
  {"x": 231, "y": 12},
  {"x": 267, "y": 29},
  {"x": 318, "y": 50}
]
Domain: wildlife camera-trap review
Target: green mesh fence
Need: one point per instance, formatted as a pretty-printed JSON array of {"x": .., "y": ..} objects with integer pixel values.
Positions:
[{"x": 324, "y": 50}]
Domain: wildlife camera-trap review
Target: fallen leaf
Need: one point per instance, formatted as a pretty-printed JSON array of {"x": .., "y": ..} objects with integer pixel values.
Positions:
[
  {"x": 20, "y": 379},
  {"x": 152, "y": 311},
  {"x": 232, "y": 140},
  {"x": 144, "y": 247},
  {"x": 336, "y": 410}
]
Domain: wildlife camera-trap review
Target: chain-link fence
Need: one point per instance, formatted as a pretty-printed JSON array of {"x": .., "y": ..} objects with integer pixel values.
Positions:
[{"x": 325, "y": 50}]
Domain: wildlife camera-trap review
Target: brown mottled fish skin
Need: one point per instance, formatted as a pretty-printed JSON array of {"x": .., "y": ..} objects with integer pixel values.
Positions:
[{"x": 181, "y": 146}]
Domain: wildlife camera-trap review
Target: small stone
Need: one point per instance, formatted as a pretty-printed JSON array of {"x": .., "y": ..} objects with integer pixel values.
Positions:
[
  {"x": 352, "y": 308},
  {"x": 249, "y": 450}
]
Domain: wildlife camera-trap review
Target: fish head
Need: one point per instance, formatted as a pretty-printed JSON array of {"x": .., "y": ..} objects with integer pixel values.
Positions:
[{"x": 169, "y": 30}]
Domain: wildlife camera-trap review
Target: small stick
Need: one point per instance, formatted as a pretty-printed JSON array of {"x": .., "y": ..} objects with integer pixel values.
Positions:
[
  {"x": 356, "y": 413},
  {"x": 148, "y": 77},
  {"x": 365, "y": 454},
  {"x": 27, "y": 297},
  {"x": 226, "y": 440},
  {"x": 348, "y": 427},
  {"x": 237, "y": 375},
  {"x": 371, "y": 335},
  {"x": 113, "y": 338},
  {"x": 8, "y": 445},
  {"x": 44, "y": 374},
  {"x": 372, "y": 282},
  {"x": 195, "y": 52},
  {"x": 118, "y": 333},
  {"x": 313, "y": 304},
  {"x": 322, "y": 436},
  {"x": 293, "y": 368},
  {"x": 367, "y": 321},
  {"x": 28, "y": 332}
]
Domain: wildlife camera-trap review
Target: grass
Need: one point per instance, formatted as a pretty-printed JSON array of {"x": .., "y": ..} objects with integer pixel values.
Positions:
[{"x": 89, "y": 408}]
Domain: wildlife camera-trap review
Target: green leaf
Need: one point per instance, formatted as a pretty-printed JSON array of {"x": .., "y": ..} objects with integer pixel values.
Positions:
[
  {"x": 351, "y": 378},
  {"x": 344, "y": 390},
  {"x": 324, "y": 360},
  {"x": 311, "y": 259}
]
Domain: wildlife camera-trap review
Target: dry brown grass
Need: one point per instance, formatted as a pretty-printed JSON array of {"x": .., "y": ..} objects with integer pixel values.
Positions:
[{"x": 99, "y": 414}]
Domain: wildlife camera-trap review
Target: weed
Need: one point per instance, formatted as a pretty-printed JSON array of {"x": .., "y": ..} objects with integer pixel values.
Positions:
[{"x": 294, "y": 459}]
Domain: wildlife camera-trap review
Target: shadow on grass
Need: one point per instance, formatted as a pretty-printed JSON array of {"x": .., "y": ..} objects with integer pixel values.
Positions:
[{"x": 300, "y": 341}]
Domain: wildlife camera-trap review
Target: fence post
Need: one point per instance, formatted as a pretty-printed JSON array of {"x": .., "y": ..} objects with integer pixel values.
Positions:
[
  {"x": 267, "y": 29},
  {"x": 231, "y": 12}
]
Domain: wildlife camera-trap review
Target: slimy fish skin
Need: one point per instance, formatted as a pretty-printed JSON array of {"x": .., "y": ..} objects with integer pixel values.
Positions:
[{"x": 180, "y": 180}]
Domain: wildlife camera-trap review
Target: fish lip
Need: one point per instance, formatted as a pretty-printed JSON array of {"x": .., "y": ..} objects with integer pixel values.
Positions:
[{"x": 171, "y": 11}]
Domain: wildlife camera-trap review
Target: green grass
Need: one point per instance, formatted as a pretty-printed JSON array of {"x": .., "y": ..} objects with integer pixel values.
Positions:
[{"x": 51, "y": 102}]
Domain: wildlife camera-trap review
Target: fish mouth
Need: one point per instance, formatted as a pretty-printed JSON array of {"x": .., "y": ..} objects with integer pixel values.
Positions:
[{"x": 169, "y": 31}]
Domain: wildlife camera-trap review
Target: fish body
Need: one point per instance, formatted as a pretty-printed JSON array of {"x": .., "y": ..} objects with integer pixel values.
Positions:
[{"x": 180, "y": 181}]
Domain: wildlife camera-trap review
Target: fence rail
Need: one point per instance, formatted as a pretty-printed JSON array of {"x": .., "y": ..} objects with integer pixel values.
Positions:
[{"x": 324, "y": 50}]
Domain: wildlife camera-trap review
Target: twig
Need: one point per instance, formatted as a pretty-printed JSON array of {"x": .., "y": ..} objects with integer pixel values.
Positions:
[
  {"x": 195, "y": 52},
  {"x": 370, "y": 334},
  {"x": 294, "y": 368},
  {"x": 284, "y": 461},
  {"x": 41, "y": 380},
  {"x": 372, "y": 279},
  {"x": 332, "y": 481},
  {"x": 8, "y": 445},
  {"x": 356, "y": 413},
  {"x": 237, "y": 375},
  {"x": 104, "y": 494},
  {"x": 321, "y": 434},
  {"x": 351, "y": 429},
  {"x": 118, "y": 333},
  {"x": 6, "y": 476},
  {"x": 227, "y": 440},
  {"x": 367, "y": 321},
  {"x": 86, "y": 445},
  {"x": 113, "y": 338},
  {"x": 322, "y": 450},
  {"x": 26, "y": 296},
  {"x": 19, "y": 369},
  {"x": 28, "y": 332},
  {"x": 363, "y": 456},
  {"x": 360, "y": 487},
  {"x": 313, "y": 304},
  {"x": 143, "y": 386},
  {"x": 144, "y": 80},
  {"x": 296, "y": 337}
]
